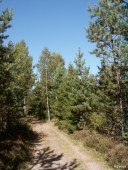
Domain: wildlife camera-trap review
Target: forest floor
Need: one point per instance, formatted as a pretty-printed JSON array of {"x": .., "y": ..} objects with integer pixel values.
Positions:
[{"x": 55, "y": 150}]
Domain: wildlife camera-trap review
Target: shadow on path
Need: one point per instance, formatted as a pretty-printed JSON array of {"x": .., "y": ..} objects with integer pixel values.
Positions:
[
  {"x": 46, "y": 159},
  {"x": 33, "y": 120}
]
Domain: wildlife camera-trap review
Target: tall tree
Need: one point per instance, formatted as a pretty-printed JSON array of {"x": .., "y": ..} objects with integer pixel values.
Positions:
[
  {"x": 47, "y": 66},
  {"x": 64, "y": 83},
  {"x": 57, "y": 81},
  {"x": 5, "y": 19},
  {"x": 36, "y": 102},
  {"x": 44, "y": 72},
  {"x": 23, "y": 73},
  {"x": 107, "y": 99},
  {"x": 6, "y": 78},
  {"x": 81, "y": 105},
  {"x": 111, "y": 45}
]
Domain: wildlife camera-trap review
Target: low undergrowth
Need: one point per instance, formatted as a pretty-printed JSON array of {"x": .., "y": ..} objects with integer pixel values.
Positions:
[
  {"x": 15, "y": 147},
  {"x": 65, "y": 125},
  {"x": 115, "y": 153}
]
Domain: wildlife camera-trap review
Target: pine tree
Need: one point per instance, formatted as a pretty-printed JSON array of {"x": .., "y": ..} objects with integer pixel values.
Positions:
[
  {"x": 108, "y": 31},
  {"x": 36, "y": 102},
  {"x": 64, "y": 98},
  {"x": 107, "y": 99},
  {"x": 6, "y": 78},
  {"x": 57, "y": 81},
  {"x": 81, "y": 106},
  {"x": 5, "y": 19}
]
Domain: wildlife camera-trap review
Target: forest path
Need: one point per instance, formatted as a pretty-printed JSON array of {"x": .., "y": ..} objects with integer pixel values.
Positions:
[{"x": 54, "y": 150}]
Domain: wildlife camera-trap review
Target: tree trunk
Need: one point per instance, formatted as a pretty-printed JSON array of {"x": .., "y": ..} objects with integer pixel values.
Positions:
[
  {"x": 48, "y": 108},
  {"x": 2, "y": 123},
  {"x": 25, "y": 107},
  {"x": 121, "y": 104}
]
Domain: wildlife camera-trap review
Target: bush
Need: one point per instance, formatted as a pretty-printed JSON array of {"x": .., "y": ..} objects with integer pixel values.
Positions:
[
  {"x": 118, "y": 155},
  {"x": 15, "y": 147},
  {"x": 114, "y": 152},
  {"x": 65, "y": 125}
]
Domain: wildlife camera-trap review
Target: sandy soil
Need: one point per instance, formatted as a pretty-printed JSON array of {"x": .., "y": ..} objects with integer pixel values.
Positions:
[{"x": 54, "y": 150}]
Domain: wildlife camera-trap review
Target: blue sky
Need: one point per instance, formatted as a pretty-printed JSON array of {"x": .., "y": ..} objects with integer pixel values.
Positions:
[{"x": 58, "y": 25}]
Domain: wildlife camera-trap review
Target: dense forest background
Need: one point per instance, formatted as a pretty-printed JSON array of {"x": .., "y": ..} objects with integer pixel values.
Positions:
[{"x": 72, "y": 97}]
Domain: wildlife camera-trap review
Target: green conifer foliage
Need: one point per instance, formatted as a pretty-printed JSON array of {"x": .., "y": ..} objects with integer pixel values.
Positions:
[
  {"x": 36, "y": 102},
  {"x": 108, "y": 31},
  {"x": 81, "y": 106},
  {"x": 6, "y": 77},
  {"x": 23, "y": 75},
  {"x": 5, "y": 19},
  {"x": 64, "y": 98},
  {"x": 107, "y": 99},
  {"x": 55, "y": 93}
]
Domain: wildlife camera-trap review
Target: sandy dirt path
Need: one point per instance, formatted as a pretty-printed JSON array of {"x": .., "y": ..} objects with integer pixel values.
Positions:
[{"x": 54, "y": 150}]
